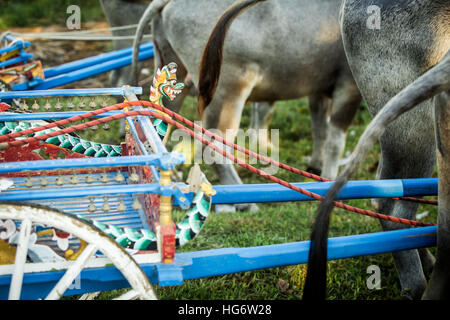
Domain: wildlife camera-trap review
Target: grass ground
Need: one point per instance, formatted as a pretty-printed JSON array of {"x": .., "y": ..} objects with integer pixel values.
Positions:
[{"x": 31, "y": 13}]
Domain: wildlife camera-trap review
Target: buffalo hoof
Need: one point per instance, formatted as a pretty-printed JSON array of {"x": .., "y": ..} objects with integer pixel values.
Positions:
[
  {"x": 253, "y": 208},
  {"x": 313, "y": 170}
]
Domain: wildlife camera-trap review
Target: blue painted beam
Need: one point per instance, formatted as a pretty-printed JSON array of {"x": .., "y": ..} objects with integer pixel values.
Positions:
[
  {"x": 141, "y": 146},
  {"x": 51, "y": 115},
  {"x": 347, "y": 193},
  {"x": 215, "y": 262},
  {"x": 19, "y": 42},
  {"x": 361, "y": 189},
  {"x": 87, "y": 72},
  {"x": 69, "y": 92},
  {"x": 18, "y": 45},
  {"x": 414, "y": 187},
  {"x": 91, "y": 61},
  {"x": 166, "y": 161},
  {"x": 24, "y": 57},
  {"x": 77, "y": 192},
  {"x": 147, "y": 127}
]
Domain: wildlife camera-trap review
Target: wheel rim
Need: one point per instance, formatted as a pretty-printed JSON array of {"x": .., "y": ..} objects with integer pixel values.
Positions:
[{"x": 96, "y": 239}]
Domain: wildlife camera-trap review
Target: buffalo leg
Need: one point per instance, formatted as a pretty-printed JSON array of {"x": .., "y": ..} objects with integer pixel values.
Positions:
[
  {"x": 346, "y": 101},
  {"x": 439, "y": 286},
  {"x": 319, "y": 107}
]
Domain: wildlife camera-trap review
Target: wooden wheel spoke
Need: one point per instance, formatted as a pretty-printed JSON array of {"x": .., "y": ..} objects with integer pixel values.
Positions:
[
  {"x": 96, "y": 240},
  {"x": 21, "y": 257},
  {"x": 72, "y": 273},
  {"x": 129, "y": 295}
]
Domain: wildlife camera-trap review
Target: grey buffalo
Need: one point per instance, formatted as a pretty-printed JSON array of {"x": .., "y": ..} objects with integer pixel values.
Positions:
[{"x": 401, "y": 64}]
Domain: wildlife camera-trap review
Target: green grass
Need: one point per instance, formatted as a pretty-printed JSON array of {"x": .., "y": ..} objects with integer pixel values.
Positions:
[{"x": 31, "y": 13}]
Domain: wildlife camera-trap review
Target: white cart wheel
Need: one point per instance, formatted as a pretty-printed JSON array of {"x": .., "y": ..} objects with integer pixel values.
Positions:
[{"x": 96, "y": 241}]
